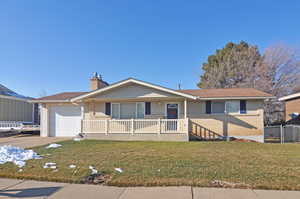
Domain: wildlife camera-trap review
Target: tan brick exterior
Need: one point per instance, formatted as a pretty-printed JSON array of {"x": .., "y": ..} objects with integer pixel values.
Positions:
[
  {"x": 291, "y": 107},
  {"x": 235, "y": 124}
]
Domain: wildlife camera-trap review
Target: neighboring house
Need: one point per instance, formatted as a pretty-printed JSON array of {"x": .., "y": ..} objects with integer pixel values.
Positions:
[
  {"x": 136, "y": 110},
  {"x": 16, "y": 108},
  {"x": 292, "y": 108}
]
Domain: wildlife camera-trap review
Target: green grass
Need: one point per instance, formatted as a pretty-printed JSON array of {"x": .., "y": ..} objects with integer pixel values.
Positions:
[{"x": 262, "y": 166}]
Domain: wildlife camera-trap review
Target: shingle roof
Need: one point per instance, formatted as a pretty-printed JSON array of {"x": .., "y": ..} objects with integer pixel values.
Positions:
[
  {"x": 226, "y": 92},
  {"x": 204, "y": 93},
  {"x": 62, "y": 96},
  {"x": 7, "y": 92}
]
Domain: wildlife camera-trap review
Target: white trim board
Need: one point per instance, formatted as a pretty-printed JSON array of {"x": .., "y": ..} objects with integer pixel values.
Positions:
[
  {"x": 131, "y": 80},
  {"x": 288, "y": 97},
  {"x": 15, "y": 98}
]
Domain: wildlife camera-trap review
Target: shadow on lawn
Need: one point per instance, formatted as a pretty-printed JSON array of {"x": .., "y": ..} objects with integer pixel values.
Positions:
[{"x": 29, "y": 193}]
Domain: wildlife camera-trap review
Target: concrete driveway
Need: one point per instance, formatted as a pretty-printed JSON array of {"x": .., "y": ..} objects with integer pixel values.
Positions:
[{"x": 27, "y": 141}]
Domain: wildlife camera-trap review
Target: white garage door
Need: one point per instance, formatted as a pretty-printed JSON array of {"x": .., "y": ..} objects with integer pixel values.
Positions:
[{"x": 65, "y": 121}]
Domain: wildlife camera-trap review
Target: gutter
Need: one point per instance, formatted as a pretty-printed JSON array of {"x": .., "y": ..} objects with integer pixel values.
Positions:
[{"x": 233, "y": 98}]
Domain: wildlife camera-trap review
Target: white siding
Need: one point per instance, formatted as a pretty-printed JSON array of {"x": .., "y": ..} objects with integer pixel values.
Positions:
[
  {"x": 15, "y": 110},
  {"x": 134, "y": 91},
  {"x": 44, "y": 122}
]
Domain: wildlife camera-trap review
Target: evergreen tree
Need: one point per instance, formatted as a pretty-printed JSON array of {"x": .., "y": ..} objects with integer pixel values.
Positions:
[{"x": 232, "y": 66}]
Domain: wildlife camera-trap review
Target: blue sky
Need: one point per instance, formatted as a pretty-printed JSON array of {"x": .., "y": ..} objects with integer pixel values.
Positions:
[{"x": 55, "y": 46}]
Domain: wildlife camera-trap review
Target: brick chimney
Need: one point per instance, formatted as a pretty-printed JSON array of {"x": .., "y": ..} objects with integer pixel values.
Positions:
[{"x": 97, "y": 82}]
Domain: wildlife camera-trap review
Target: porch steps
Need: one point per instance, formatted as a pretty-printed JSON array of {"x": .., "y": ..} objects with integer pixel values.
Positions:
[
  {"x": 198, "y": 132},
  {"x": 194, "y": 137}
]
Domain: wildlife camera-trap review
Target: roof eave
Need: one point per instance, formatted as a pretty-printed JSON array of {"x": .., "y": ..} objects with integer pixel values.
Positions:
[
  {"x": 235, "y": 98},
  {"x": 14, "y": 98},
  {"x": 48, "y": 101},
  {"x": 289, "y": 97}
]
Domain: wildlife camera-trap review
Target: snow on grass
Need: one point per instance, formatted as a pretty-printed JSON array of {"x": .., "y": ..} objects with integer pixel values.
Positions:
[
  {"x": 16, "y": 155},
  {"x": 54, "y": 145}
]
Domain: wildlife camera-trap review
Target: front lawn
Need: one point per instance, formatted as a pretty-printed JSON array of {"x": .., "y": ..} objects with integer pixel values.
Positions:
[{"x": 265, "y": 166}]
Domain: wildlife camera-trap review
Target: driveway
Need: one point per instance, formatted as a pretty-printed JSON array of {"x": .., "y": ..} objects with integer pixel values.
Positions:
[{"x": 28, "y": 141}]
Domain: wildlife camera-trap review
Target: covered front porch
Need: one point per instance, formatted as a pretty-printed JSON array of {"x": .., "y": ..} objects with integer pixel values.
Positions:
[
  {"x": 133, "y": 119},
  {"x": 135, "y": 126}
]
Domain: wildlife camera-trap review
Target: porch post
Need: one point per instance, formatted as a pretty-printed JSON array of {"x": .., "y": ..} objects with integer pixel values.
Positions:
[
  {"x": 185, "y": 108},
  {"x": 187, "y": 126},
  {"x": 132, "y": 126},
  {"x": 106, "y": 127},
  {"x": 159, "y": 126}
]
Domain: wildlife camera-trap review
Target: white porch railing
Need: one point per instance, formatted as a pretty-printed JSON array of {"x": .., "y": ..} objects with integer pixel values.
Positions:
[
  {"x": 18, "y": 126},
  {"x": 10, "y": 125},
  {"x": 135, "y": 126}
]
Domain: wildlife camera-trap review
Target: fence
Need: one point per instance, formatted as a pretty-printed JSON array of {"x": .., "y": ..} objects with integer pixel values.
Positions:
[
  {"x": 282, "y": 134},
  {"x": 6, "y": 125},
  {"x": 157, "y": 126}
]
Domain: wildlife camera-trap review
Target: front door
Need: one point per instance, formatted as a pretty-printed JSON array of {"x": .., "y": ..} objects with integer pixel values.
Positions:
[{"x": 172, "y": 111}]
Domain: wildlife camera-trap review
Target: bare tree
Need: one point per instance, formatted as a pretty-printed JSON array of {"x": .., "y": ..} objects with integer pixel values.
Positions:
[
  {"x": 42, "y": 93},
  {"x": 283, "y": 65},
  {"x": 278, "y": 74}
]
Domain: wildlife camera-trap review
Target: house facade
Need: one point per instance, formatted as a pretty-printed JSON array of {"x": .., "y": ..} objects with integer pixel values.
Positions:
[
  {"x": 292, "y": 107},
  {"x": 16, "y": 108},
  {"x": 136, "y": 110}
]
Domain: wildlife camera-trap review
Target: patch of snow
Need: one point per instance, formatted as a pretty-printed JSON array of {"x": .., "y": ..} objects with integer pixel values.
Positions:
[
  {"x": 51, "y": 165},
  {"x": 72, "y": 166},
  {"x": 16, "y": 155},
  {"x": 119, "y": 170},
  {"x": 94, "y": 171},
  {"x": 54, "y": 145}
]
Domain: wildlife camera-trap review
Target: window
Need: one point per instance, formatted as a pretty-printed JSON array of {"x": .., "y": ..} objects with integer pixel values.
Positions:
[
  {"x": 218, "y": 106},
  {"x": 148, "y": 108},
  {"x": 107, "y": 108},
  {"x": 243, "y": 106},
  {"x": 115, "y": 111},
  {"x": 127, "y": 110},
  {"x": 140, "y": 110},
  {"x": 233, "y": 106},
  {"x": 208, "y": 107}
]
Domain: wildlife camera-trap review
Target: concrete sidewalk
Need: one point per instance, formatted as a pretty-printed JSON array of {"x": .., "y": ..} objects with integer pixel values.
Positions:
[{"x": 10, "y": 188}]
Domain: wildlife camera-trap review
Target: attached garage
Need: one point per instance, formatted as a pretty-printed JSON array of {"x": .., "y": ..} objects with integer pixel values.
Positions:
[{"x": 64, "y": 120}]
